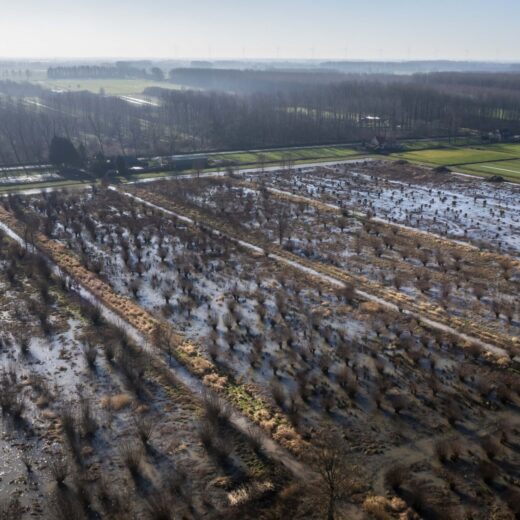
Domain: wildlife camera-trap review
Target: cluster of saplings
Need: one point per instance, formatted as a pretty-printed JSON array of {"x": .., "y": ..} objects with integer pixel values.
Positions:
[
  {"x": 407, "y": 263},
  {"x": 124, "y": 427},
  {"x": 434, "y": 209},
  {"x": 26, "y": 393},
  {"x": 85, "y": 429},
  {"x": 397, "y": 374}
]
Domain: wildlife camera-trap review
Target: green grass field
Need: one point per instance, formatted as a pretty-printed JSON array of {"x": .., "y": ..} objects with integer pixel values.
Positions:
[
  {"x": 457, "y": 156},
  {"x": 511, "y": 148},
  {"x": 326, "y": 152},
  {"x": 510, "y": 170},
  {"x": 484, "y": 160},
  {"x": 430, "y": 144},
  {"x": 113, "y": 87}
]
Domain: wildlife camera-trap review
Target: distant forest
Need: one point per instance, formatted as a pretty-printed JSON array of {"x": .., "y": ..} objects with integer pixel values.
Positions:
[
  {"x": 119, "y": 71},
  {"x": 250, "y": 81},
  {"x": 283, "y": 109}
]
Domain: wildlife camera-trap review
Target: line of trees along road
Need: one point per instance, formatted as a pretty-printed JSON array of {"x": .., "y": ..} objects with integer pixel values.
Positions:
[{"x": 189, "y": 120}]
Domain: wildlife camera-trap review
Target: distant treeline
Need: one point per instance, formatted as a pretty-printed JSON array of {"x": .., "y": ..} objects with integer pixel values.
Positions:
[
  {"x": 120, "y": 71},
  {"x": 248, "y": 81},
  {"x": 298, "y": 109},
  {"x": 478, "y": 80},
  {"x": 417, "y": 66}
]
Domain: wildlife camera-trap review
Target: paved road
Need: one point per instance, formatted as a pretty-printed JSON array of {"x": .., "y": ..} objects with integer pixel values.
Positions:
[{"x": 36, "y": 191}]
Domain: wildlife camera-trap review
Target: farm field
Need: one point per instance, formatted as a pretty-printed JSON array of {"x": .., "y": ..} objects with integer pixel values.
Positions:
[
  {"x": 112, "y": 87},
  {"x": 416, "y": 152},
  {"x": 426, "y": 144},
  {"x": 460, "y": 156},
  {"x": 483, "y": 160},
  {"x": 319, "y": 303},
  {"x": 90, "y": 423},
  {"x": 325, "y": 153},
  {"x": 510, "y": 170},
  {"x": 370, "y": 251},
  {"x": 484, "y": 214},
  {"x": 513, "y": 148}
]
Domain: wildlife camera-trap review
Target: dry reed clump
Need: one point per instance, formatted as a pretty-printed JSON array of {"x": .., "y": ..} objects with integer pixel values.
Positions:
[
  {"x": 262, "y": 416},
  {"x": 200, "y": 366},
  {"x": 378, "y": 507},
  {"x": 145, "y": 429},
  {"x": 371, "y": 307},
  {"x": 395, "y": 477},
  {"x": 189, "y": 349},
  {"x": 289, "y": 439},
  {"x": 59, "y": 468},
  {"x": 131, "y": 455},
  {"x": 249, "y": 492},
  {"x": 215, "y": 382},
  {"x": 268, "y": 424},
  {"x": 382, "y": 508},
  {"x": 117, "y": 402}
]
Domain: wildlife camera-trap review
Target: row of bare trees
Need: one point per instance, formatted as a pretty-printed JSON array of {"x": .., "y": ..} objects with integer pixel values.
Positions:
[{"x": 193, "y": 120}]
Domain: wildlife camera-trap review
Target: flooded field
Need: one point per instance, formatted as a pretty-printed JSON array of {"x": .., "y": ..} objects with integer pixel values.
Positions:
[{"x": 314, "y": 313}]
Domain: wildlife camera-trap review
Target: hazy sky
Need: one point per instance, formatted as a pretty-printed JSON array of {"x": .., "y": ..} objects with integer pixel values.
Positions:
[{"x": 354, "y": 29}]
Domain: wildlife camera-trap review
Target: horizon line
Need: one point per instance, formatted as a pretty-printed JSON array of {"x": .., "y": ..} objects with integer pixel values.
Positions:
[{"x": 258, "y": 59}]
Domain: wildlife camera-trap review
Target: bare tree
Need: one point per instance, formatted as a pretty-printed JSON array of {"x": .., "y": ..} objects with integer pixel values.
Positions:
[{"x": 335, "y": 472}]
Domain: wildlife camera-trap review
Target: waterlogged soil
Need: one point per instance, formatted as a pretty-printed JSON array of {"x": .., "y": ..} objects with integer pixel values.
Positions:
[
  {"x": 464, "y": 208},
  {"x": 447, "y": 274},
  {"x": 398, "y": 392},
  {"x": 48, "y": 368}
]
